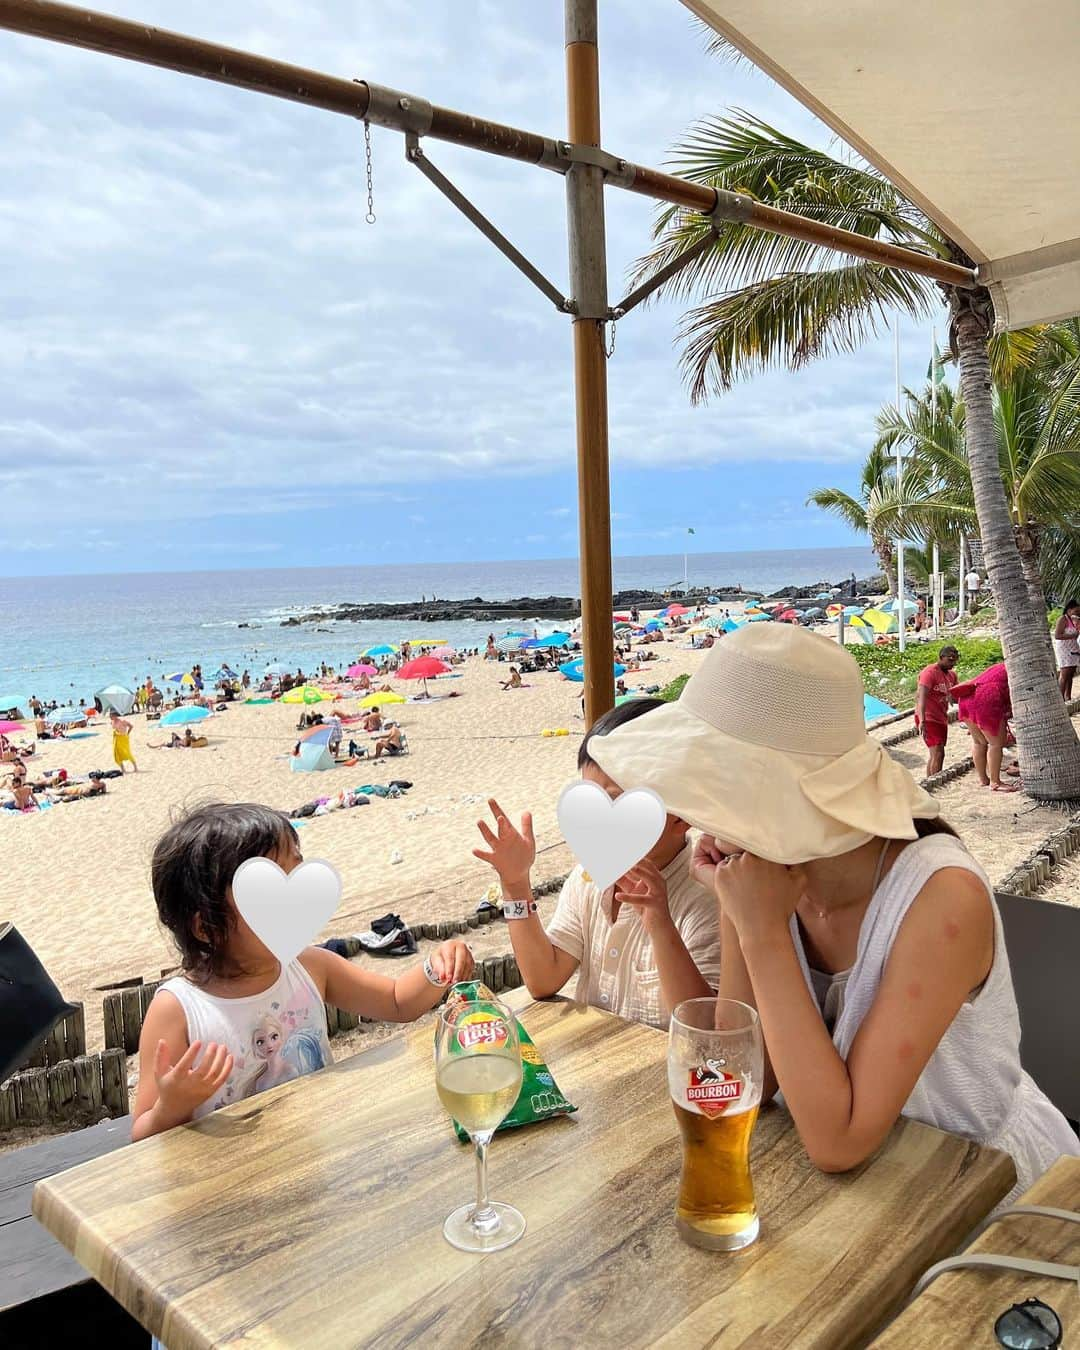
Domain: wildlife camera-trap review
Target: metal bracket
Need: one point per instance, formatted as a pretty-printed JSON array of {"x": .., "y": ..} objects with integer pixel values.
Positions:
[
  {"x": 415, "y": 155},
  {"x": 731, "y": 206},
  {"x": 642, "y": 292},
  {"x": 402, "y": 112},
  {"x": 620, "y": 171}
]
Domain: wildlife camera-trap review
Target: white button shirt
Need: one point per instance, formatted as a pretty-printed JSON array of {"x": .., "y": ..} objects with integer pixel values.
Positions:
[{"x": 617, "y": 967}]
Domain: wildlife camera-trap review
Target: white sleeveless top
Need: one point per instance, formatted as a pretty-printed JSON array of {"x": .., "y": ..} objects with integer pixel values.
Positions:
[
  {"x": 273, "y": 1037},
  {"x": 973, "y": 1084}
]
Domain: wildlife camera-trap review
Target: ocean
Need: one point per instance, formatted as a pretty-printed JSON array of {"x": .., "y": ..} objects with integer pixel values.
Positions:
[{"x": 67, "y": 637}]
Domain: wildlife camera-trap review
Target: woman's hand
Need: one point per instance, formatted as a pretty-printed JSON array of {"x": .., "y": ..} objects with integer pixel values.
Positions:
[
  {"x": 704, "y": 860},
  {"x": 182, "y": 1086},
  {"x": 452, "y": 961},
  {"x": 511, "y": 852},
  {"x": 758, "y": 897}
]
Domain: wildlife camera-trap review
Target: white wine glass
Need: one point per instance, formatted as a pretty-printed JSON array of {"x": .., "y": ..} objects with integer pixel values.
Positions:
[{"x": 478, "y": 1078}]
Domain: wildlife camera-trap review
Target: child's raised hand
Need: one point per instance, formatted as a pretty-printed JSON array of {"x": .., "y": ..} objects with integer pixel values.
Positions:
[
  {"x": 182, "y": 1086},
  {"x": 452, "y": 961},
  {"x": 644, "y": 887},
  {"x": 511, "y": 852}
]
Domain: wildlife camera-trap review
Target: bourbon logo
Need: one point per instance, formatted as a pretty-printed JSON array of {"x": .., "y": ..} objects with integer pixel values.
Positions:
[{"x": 712, "y": 1090}]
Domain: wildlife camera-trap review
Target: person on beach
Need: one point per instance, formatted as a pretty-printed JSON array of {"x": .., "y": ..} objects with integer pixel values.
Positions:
[
  {"x": 236, "y": 1021},
  {"x": 390, "y": 744},
  {"x": 974, "y": 586},
  {"x": 121, "y": 741},
  {"x": 641, "y": 946},
  {"x": 985, "y": 706},
  {"x": 852, "y": 917},
  {"x": 514, "y": 682},
  {"x": 1067, "y": 647},
  {"x": 936, "y": 683}
]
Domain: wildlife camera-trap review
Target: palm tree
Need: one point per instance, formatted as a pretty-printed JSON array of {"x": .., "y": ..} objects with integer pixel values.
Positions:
[
  {"x": 769, "y": 300},
  {"x": 1038, "y": 434},
  {"x": 859, "y": 512}
]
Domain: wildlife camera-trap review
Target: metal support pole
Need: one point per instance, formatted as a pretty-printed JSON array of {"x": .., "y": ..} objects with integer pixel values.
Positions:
[
  {"x": 588, "y": 289},
  {"x": 935, "y": 580},
  {"x": 901, "y": 608},
  {"x": 963, "y": 577}
]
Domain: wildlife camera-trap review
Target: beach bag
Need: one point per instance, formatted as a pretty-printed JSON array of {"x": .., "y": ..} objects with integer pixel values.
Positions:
[{"x": 30, "y": 1004}]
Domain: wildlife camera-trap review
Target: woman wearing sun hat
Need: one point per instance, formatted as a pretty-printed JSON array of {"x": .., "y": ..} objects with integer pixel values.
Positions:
[{"x": 852, "y": 917}]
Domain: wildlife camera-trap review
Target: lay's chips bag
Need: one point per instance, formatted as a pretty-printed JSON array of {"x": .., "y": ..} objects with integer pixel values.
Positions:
[{"x": 539, "y": 1098}]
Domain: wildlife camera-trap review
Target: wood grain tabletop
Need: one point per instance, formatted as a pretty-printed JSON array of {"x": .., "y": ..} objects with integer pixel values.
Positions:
[
  {"x": 311, "y": 1216},
  {"x": 963, "y": 1305}
]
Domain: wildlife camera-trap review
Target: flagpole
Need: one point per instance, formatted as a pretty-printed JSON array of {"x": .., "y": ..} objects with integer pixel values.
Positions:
[{"x": 902, "y": 615}]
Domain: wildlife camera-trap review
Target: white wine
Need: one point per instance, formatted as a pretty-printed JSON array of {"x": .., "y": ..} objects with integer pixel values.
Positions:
[{"x": 478, "y": 1090}]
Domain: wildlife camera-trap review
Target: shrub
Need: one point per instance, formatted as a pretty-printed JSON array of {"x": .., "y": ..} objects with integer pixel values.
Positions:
[{"x": 671, "y": 692}]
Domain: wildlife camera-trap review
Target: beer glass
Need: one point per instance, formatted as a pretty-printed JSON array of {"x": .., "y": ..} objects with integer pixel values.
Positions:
[
  {"x": 478, "y": 1078},
  {"x": 716, "y": 1065}
]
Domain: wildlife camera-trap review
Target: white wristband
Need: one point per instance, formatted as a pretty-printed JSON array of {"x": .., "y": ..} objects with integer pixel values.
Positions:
[
  {"x": 518, "y": 909},
  {"x": 429, "y": 974}
]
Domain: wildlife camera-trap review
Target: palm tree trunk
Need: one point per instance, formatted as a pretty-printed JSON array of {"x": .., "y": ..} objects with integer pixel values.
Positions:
[
  {"x": 1049, "y": 750},
  {"x": 883, "y": 547},
  {"x": 1027, "y": 544}
]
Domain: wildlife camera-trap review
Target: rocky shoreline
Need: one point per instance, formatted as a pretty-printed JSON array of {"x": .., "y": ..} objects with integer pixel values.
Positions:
[{"x": 551, "y": 607}]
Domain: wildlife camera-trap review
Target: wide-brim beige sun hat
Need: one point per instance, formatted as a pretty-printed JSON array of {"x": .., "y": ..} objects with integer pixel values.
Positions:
[{"x": 767, "y": 749}]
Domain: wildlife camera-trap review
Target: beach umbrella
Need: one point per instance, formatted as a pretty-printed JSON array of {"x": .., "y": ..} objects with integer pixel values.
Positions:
[
  {"x": 825, "y": 595},
  {"x": 377, "y": 699},
  {"x": 14, "y": 703},
  {"x": 223, "y": 673},
  {"x": 425, "y": 641},
  {"x": 423, "y": 668},
  {"x": 655, "y": 625},
  {"x": 322, "y": 735},
  {"x": 575, "y": 670},
  {"x": 553, "y": 640},
  {"x": 891, "y": 606},
  {"x": 860, "y": 634},
  {"x": 180, "y": 717},
  {"x": 730, "y": 625},
  {"x": 361, "y": 668},
  {"x": 66, "y": 716},
  {"x": 116, "y": 696},
  {"x": 278, "y": 669},
  {"x": 181, "y": 677},
  {"x": 879, "y": 620},
  {"x": 6, "y": 727},
  {"x": 850, "y": 610},
  {"x": 672, "y": 610},
  {"x": 306, "y": 693},
  {"x": 444, "y": 653},
  {"x": 383, "y": 649},
  {"x": 715, "y": 622},
  {"x": 714, "y": 599},
  {"x": 813, "y": 612},
  {"x": 759, "y": 617},
  {"x": 788, "y": 615},
  {"x": 511, "y": 643},
  {"x": 621, "y": 618}
]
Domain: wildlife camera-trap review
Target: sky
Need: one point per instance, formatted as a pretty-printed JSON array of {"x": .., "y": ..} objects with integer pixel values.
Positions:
[{"x": 209, "y": 360}]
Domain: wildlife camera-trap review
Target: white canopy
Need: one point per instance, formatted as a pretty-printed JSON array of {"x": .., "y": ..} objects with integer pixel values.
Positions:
[{"x": 971, "y": 107}]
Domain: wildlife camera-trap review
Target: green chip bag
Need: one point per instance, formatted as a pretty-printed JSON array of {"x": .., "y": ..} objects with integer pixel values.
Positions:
[{"x": 539, "y": 1098}]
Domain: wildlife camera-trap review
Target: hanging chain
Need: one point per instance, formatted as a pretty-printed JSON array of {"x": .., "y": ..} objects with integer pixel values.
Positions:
[
  {"x": 370, "y": 217},
  {"x": 609, "y": 350}
]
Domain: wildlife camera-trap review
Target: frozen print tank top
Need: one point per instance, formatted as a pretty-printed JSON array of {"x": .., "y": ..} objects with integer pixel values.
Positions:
[{"x": 273, "y": 1037}]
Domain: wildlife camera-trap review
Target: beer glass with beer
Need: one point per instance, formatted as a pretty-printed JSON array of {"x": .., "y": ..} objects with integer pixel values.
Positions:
[
  {"x": 716, "y": 1065},
  {"x": 478, "y": 1078}
]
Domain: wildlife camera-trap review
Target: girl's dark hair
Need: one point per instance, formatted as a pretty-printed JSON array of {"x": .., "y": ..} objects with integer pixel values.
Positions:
[
  {"x": 935, "y": 826},
  {"x": 192, "y": 870},
  {"x": 614, "y": 717},
  {"x": 1070, "y": 604}
]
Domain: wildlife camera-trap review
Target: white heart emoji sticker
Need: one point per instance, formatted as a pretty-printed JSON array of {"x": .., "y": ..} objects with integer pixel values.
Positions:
[
  {"x": 286, "y": 911},
  {"x": 608, "y": 837}
]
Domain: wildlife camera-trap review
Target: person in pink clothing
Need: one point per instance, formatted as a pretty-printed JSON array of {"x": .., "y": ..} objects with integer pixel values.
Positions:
[{"x": 985, "y": 707}]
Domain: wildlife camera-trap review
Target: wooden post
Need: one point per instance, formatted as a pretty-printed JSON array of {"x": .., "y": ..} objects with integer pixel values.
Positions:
[
  {"x": 114, "y": 1088},
  {"x": 61, "y": 1087},
  {"x": 131, "y": 1011},
  {"x": 331, "y": 1020},
  {"x": 588, "y": 288},
  {"x": 88, "y": 1084},
  {"x": 347, "y": 1021},
  {"x": 113, "y": 1017},
  {"x": 75, "y": 1032},
  {"x": 7, "y": 1105},
  {"x": 32, "y": 1096}
]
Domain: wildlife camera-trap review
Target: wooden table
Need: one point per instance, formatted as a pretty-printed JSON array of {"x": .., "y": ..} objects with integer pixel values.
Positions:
[
  {"x": 311, "y": 1216},
  {"x": 963, "y": 1305}
]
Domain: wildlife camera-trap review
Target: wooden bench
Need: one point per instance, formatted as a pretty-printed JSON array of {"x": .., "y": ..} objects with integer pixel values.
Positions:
[{"x": 46, "y": 1297}]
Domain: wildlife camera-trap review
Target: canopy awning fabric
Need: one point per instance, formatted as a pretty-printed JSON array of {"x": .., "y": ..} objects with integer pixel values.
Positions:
[{"x": 970, "y": 108}]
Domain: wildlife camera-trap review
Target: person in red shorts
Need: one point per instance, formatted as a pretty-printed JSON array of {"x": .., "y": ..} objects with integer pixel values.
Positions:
[{"x": 932, "y": 706}]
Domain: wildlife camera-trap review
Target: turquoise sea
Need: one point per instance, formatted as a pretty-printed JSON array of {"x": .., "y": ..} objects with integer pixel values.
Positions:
[{"x": 67, "y": 637}]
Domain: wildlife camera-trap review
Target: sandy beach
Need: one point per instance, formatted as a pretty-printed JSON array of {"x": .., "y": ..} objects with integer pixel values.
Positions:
[{"x": 77, "y": 876}]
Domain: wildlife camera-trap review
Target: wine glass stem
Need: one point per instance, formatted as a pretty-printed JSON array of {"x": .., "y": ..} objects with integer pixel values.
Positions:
[{"x": 485, "y": 1218}]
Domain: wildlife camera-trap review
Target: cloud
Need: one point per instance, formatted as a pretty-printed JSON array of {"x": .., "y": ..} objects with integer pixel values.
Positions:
[{"x": 200, "y": 327}]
